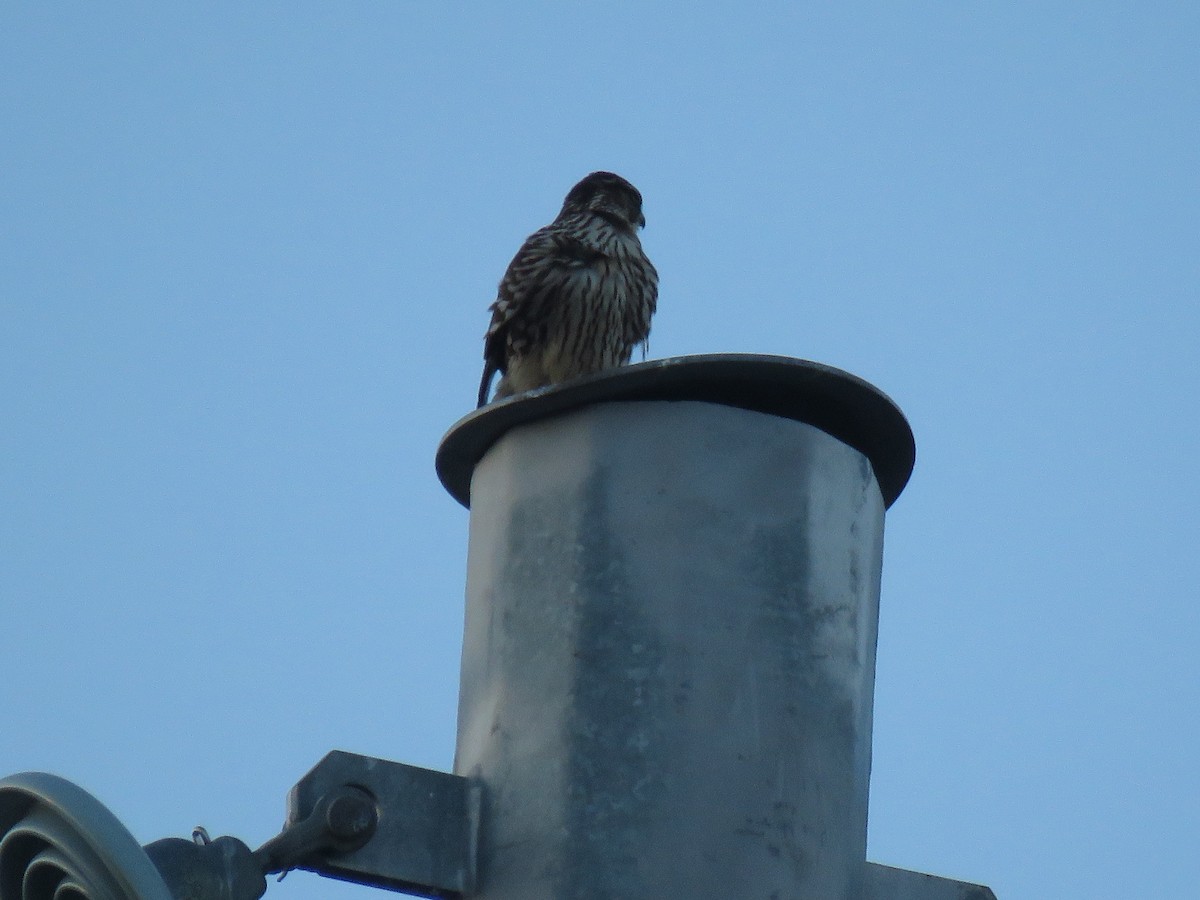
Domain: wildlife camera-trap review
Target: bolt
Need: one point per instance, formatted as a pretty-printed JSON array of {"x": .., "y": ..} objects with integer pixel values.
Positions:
[{"x": 352, "y": 818}]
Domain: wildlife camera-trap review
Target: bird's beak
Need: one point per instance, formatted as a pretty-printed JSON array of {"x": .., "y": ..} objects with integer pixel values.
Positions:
[{"x": 641, "y": 220}]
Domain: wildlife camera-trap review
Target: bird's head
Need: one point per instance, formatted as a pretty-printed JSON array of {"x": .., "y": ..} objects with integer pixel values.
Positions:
[{"x": 608, "y": 195}]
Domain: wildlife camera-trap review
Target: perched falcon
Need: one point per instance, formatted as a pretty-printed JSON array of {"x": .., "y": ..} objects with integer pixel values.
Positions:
[{"x": 577, "y": 297}]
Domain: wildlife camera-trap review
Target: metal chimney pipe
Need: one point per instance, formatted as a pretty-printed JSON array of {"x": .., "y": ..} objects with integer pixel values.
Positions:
[{"x": 669, "y": 653}]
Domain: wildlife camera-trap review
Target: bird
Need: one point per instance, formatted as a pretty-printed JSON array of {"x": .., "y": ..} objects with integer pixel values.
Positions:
[{"x": 578, "y": 296}]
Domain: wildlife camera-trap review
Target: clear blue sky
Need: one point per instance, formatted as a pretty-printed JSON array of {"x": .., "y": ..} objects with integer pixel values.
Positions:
[{"x": 246, "y": 252}]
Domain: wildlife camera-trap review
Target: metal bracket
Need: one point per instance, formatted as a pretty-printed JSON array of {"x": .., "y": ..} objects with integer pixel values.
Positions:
[
  {"x": 423, "y": 842},
  {"x": 887, "y": 883},
  {"x": 354, "y": 818}
]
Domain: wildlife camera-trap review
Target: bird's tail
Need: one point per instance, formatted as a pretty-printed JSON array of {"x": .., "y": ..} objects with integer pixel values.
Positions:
[{"x": 485, "y": 383}]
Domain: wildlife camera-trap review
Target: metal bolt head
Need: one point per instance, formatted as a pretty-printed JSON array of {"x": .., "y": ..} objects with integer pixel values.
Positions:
[{"x": 352, "y": 818}]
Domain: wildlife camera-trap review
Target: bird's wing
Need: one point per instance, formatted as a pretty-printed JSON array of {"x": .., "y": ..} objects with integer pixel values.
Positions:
[
  {"x": 533, "y": 281},
  {"x": 644, "y": 287}
]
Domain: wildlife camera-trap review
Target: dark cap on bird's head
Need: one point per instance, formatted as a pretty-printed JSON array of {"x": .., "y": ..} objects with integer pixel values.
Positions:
[{"x": 607, "y": 194}]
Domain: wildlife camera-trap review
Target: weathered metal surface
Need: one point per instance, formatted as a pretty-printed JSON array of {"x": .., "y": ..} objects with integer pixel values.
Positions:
[
  {"x": 669, "y": 656},
  {"x": 667, "y": 675},
  {"x": 420, "y": 842},
  {"x": 838, "y": 403},
  {"x": 887, "y": 883},
  {"x": 220, "y": 869}
]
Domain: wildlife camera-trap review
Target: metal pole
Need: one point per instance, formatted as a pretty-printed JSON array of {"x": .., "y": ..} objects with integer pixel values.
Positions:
[
  {"x": 669, "y": 653},
  {"x": 668, "y": 664}
]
